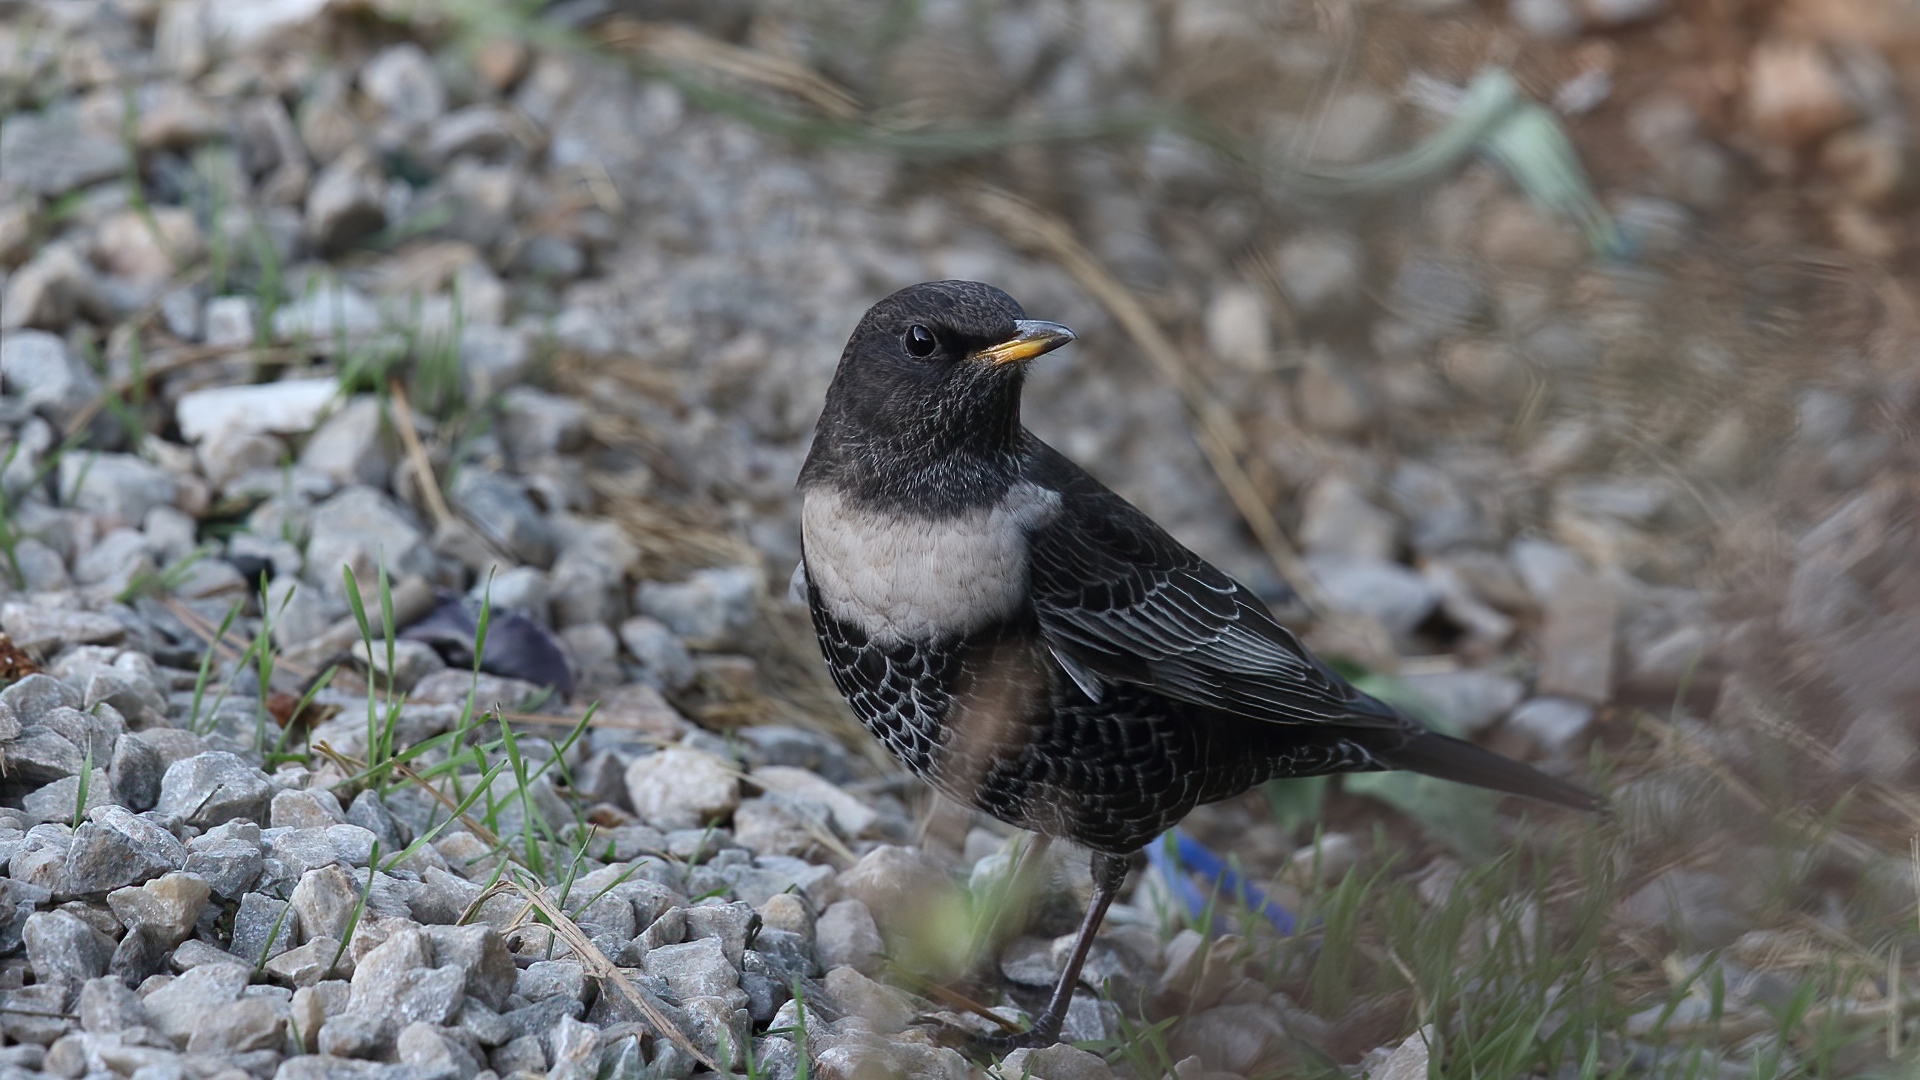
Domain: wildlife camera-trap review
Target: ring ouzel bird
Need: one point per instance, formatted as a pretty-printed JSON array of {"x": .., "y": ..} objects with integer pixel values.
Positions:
[{"x": 1032, "y": 645}]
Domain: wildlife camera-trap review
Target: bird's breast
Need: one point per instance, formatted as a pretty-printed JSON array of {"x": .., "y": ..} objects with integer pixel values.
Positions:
[{"x": 905, "y": 577}]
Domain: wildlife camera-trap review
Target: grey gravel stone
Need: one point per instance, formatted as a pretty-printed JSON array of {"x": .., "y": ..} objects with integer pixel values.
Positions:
[
  {"x": 214, "y": 787},
  {"x": 357, "y": 528},
  {"x": 501, "y": 509},
  {"x": 678, "y": 788},
  {"x": 712, "y": 609},
  {"x": 51, "y": 153},
  {"x": 39, "y": 368},
  {"x": 251, "y": 1023},
  {"x": 535, "y": 424},
  {"x": 402, "y": 80},
  {"x": 263, "y": 928},
  {"x": 346, "y": 203},
  {"x": 396, "y": 984},
  {"x": 134, "y": 774},
  {"x": 175, "y": 1009},
  {"x": 170, "y": 903},
  {"x": 662, "y": 657},
  {"x": 324, "y": 900},
  {"x": 228, "y": 857},
  {"x": 847, "y": 936},
  {"x": 1554, "y": 724},
  {"x": 478, "y": 953},
  {"x": 119, "y": 488},
  {"x": 116, "y": 848},
  {"x": 64, "y": 947},
  {"x": 354, "y": 445},
  {"x": 106, "y": 1004}
]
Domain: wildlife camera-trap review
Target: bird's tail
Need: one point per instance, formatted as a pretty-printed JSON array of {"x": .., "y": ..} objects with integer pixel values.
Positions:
[{"x": 1433, "y": 754}]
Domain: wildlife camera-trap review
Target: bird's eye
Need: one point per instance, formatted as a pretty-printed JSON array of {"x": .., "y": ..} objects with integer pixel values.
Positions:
[{"x": 920, "y": 341}]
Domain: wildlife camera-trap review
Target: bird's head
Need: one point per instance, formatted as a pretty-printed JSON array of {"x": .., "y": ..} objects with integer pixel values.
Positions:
[{"x": 931, "y": 378}]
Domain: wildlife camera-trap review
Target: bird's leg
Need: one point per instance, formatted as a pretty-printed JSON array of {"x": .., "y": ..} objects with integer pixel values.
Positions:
[
  {"x": 1109, "y": 873},
  {"x": 1013, "y": 903}
]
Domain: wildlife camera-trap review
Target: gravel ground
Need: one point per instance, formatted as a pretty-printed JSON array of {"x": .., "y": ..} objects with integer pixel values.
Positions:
[{"x": 327, "y": 328}]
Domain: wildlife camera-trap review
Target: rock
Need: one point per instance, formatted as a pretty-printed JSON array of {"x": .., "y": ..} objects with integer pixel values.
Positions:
[
  {"x": 1322, "y": 272},
  {"x": 438, "y": 1051},
  {"x": 535, "y": 424},
  {"x": 251, "y": 1023},
  {"x": 30, "y": 699},
  {"x": 696, "y": 968},
  {"x": 1338, "y": 520},
  {"x": 678, "y": 788},
  {"x": 51, "y": 290},
  {"x": 170, "y": 903},
  {"x": 1056, "y": 1062},
  {"x": 116, "y": 848},
  {"x": 710, "y": 610},
  {"x": 355, "y": 445},
  {"x": 851, "y": 816},
  {"x": 346, "y": 204},
  {"x": 1576, "y": 641},
  {"x": 111, "y": 556},
  {"x": 142, "y": 953},
  {"x": 1548, "y": 20},
  {"x": 543, "y": 979},
  {"x": 359, "y": 527},
  {"x": 1408, "y": 1061},
  {"x": 1329, "y": 398},
  {"x": 1467, "y": 702},
  {"x": 38, "y": 754},
  {"x": 1396, "y": 597},
  {"x": 232, "y": 321},
  {"x": 63, "y": 947},
  {"x": 1239, "y": 327},
  {"x": 263, "y": 928},
  {"x": 847, "y": 936},
  {"x": 289, "y": 407},
  {"x": 39, "y": 368},
  {"x": 589, "y": 575},
  {"x": 106, "y": 1004},
  {"x": 120, "y": 489},
  {"x": 324, "y": 901},
  {"x": 51, "y": 153},
  {"x": 146, "y": 247},
  {"x": 227, "y": 857},
  {"x": 1794, "y": 96},
  {"x": 500, "y": 508},
  {"x": 313, "y": 808},
  {"x": 309, "y": 963},
  {"x": 402, "y": 80},
  {"x": 492, "y": 358},
  {"x": 663, "y": 659},
  {"x": 1554, "y": 724},
  {"x": 395, "y": 985},
  {"x": 212, "y": 788},
  {"x": 412, "y": 661},
  {"x": 174, "y": 1010},
  {"x": 479, "y": 954},
  {"x": 857, "y": 995}
]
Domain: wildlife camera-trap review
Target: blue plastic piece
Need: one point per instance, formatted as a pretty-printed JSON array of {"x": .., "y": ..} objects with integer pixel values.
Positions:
[{"x": 1181, "y": 860}]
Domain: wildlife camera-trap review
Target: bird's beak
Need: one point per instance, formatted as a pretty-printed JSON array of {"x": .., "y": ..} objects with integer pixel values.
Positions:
[{"x": 1031, "y": 338}]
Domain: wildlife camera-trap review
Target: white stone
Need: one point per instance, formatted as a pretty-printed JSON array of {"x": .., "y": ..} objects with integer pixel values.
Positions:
[{"x": 285, "y": 408}]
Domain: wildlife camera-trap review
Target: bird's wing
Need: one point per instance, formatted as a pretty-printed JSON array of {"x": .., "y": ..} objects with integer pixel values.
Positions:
[{"x": 1119, "y": 597}]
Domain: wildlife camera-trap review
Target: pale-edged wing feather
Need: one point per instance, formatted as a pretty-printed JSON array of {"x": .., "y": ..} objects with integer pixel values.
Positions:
[{"x": 1127, "y": 602}]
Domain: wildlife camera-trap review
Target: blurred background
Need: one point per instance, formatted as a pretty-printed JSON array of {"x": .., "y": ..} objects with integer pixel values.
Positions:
[{"x": 1552, "y": 364}]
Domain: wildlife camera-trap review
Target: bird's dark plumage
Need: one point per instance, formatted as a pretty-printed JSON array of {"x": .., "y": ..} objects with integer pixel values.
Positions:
[{"x": 1027, "y": 640}]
